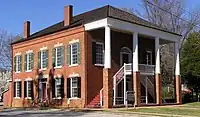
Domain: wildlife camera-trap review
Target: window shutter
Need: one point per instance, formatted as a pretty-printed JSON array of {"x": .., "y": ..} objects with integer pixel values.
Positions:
[
  {"x": 94, "y": 52},
  {"x": 21, "y": 63},
  {"x": 39, "y": 60},
  {"x": 32, "y": 60},
  {"x": 79, "y": 53},
  {"x": 47, "y": 58},
  {"x": 68, "y": 87},
  {"x": 20, "y": 89},
  {"x": 25, "y": 89},
  {"x": 25, "y": 62},
  {"x": 32, "y": 89},
  {"x": 14, "y": 63},
  {"x": 69, "y": 55},
  {"x": 53, "y": 88},
  {"x": 79, "y": 87},
  {"x": 14, "y": 89},
  {"x": 62, "y": 87},
  {"x": 62, "y": 55},
  {"x": 53, "y": 57}
]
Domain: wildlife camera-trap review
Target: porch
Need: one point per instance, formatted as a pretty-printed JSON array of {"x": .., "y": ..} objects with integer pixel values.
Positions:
[{"x": 122, "y": 65}]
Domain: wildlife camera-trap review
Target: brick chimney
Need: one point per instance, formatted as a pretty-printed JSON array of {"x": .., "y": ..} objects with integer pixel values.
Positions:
[
  {"x": 68, "y": 14},
  {"x": 26, "y": 29}
]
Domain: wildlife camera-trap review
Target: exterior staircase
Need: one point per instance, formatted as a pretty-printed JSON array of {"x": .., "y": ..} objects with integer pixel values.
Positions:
[
  {"x": 150, "y": 87},
  {"x": 95, "y": 103}
]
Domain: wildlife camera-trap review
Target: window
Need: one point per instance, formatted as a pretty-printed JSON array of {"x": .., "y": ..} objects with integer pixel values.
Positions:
[
  {"x": 74, "y": 87},
  {"x": 58, "y": 86},
  {"x": 98, "y": 53},
  {"x": 58, "y": 56},
  {"x": 18, "y": 63},
  {"x": 149, "y": 57},
  {"x": 28, "y": 89},
  {"x": 43, "y": 59},
  {"x": 28, "y": 61},
  {"x": 17, "y": 89},
  {"x": 73, "y": 54}
]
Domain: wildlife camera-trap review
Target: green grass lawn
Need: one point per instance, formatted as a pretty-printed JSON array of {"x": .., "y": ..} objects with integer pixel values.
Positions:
[{"x": 190, "y": 109}]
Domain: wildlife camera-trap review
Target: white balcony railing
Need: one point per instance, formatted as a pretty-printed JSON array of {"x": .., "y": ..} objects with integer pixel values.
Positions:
[{"x": 146, "y": 68}]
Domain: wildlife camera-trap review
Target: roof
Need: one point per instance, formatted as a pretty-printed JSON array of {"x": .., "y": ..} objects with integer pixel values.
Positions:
[{"x": 93, "y": 15}]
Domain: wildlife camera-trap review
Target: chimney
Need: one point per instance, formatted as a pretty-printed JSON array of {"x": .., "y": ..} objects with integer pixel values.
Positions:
[
  {"x": 68, "y": 14},
  {"x": 26, "y": 29}
]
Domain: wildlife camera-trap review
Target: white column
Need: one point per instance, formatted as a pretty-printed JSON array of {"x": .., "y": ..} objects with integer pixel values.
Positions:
[
  {"x": 135, "y": 52},
  {"x": 107, "y": 61},
  {"x": 157, "y": 53},
  {"x": 177, "y": 68}
]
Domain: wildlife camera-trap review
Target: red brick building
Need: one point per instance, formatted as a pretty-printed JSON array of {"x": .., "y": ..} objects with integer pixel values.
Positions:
[{"x": 91, "y": 59}]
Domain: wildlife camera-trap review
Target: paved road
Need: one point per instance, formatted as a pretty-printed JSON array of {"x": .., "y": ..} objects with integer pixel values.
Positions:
[{"x": 59, "y": 113}]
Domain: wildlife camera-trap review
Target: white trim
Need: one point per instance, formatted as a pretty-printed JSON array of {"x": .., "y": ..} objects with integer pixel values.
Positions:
[
  {"x": 76, "y": 64},
  {"x": 18, "y": 54},
  {"x": 74, "y": 75},
  {"x": 58, "y": 45},
  {"x": 17, "y": 80},
  {"x": 42, "y": 69},
  {"x": 43, "y": 48},
  {"x": 28, "y": 79},
  {"x": 131, "y": 27},
  {"x": 29, "y": 51},
  {"x": 73, "y": 65},
  {"x": 101, "y": 65},
  {"x": 74, "y": 41},
  {"x": 28, "y": 55},
  {"x": 96, "y": 24},
  {"x": 56, "y": 67}
]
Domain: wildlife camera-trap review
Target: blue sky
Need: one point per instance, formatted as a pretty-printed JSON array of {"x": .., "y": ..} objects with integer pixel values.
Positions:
[{"x": 43, "y": 13}]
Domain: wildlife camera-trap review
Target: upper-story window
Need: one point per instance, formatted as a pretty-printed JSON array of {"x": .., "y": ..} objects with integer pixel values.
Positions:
[
  {"x": 28, "y": 61},
  {"x": 149, "y": 57},
  {"x": 18, "y": 63},
  {"x": 98, "y": 53},
  {"x": 73, "y": 54},
  {"x": 58, "y": 56},
  {"x": 43, "y": 59}
]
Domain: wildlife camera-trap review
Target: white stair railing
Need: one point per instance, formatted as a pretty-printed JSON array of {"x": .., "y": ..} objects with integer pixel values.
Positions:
[{"x": 101, "y": 97}]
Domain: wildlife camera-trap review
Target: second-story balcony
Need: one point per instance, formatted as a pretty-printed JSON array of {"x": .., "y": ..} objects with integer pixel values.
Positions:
[{"x": 148, "y": 69}]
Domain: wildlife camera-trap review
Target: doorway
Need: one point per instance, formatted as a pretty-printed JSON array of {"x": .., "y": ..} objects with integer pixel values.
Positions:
[{"x": 42, "y": 94}]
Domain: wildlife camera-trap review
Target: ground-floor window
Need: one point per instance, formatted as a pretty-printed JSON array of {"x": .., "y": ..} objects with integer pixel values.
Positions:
[
  {"x": 28, "y": 89},
  {"x": 74, "y": 87},
  {"x": 17, "y": 89},
  {"x": 58, "y": 86}
]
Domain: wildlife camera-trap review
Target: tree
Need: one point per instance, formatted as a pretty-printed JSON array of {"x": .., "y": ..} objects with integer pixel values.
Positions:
[
  {"x": 5, "y": 49},
  {"x": 190, "y": 61}
]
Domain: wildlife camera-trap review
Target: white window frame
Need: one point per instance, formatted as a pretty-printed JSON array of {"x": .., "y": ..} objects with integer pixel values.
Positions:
[
  {"x": 27, "y": 89},
  {"x": 150, "y": 53},
  {"x": 71, "y": 87},
  {"x": 41, "y": 59},
  {"x": 56, "y": 49},
  {"x": 16, "y": 90},
  {"x": 99, "y": 43},
  {"x": 56, "y": 90},
  {"x": 74, "y": 64},
  {"x": 17, "y": 69},
  {"x": 28, "y": 62}
]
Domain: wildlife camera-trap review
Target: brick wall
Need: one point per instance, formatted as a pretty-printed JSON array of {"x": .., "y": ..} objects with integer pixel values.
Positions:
[{"x": 49, "y": 41}]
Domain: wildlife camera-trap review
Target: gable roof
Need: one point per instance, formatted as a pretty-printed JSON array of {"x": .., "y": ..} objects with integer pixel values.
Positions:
[{"x": 93, "y": 15}]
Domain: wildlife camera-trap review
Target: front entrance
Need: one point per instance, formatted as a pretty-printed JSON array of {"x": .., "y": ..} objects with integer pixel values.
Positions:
[{"x": 42, "y": 94}]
